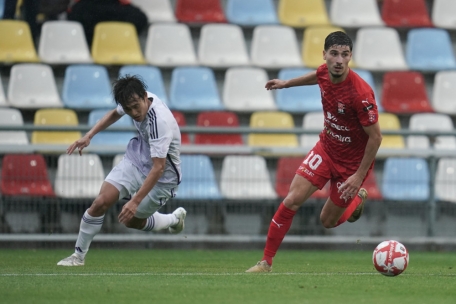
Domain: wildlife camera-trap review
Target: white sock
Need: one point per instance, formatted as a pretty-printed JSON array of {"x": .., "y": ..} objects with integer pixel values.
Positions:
[
  {"x": 158, "y": 221},
  {"x": 90, "y": 226}
]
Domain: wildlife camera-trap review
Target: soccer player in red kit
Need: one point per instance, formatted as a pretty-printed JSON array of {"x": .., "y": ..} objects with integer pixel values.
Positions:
[{"x": 346, "y": 150}]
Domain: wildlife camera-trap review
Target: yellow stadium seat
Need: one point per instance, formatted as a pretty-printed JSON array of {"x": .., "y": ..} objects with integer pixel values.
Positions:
[
  {"x": 313, "y": 45},
  {"x": 303, "y": 13},
  {"x": 274, "y": 120},
  {"x": 16, "y": 43},
  {"x": 390, "y": 121},
  {"x": 55, "y": 117},
  {"x": 116, "y": 43}
]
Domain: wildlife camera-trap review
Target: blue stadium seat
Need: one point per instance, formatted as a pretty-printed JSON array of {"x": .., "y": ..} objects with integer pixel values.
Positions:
[
  {"x": 87, "y": 87},
  {"x": 194, "y": 89},
  {"x": 298, "y": 99},
  {"x": 405, "y": 179},
  {"x": 151, "y": 76},
  {"x": 111, "y": 138},
  {"x": 2, "y": 8},
  {"x": 251, "y": 13},
  {"x": 199, "y": 179},
  {"x": 429, "y": 49},
  {"x": 367, "y": 76}
]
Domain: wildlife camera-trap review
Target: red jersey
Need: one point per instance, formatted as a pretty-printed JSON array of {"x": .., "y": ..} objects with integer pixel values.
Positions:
[{"x": 347, "y": 107}]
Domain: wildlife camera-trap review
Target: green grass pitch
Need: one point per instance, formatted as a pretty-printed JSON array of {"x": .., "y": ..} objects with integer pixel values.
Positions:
[{"x": 200, "y": 276}]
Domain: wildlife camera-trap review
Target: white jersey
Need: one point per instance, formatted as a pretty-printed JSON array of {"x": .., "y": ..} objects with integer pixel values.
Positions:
[{"x": 159, "y": 136}]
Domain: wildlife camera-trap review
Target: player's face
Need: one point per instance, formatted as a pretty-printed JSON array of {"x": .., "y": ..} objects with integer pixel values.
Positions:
[
  {"x": 137, "y": 107},
  {"x": 337, "y": 58}
]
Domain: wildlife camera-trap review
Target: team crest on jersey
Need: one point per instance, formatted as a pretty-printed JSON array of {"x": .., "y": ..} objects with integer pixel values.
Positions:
[
  {"x": 340, "y": 108},
  {"x": 367, "y": 105}
]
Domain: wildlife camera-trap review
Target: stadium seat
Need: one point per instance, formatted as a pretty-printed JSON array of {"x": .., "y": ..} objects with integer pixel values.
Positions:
[
  {"x": 116, "y": 160},
  {"x": 151, "y": 76},
  {"x": 251, "y": 13},
  {"x": 2, "y": 8},
  {"x": 246, "y": 177},
  {"x": 313, "y": 45},
  {"x": 274, "y": 47},
  {"x": 116, "y": 43},
  {"x": 379, "y": 49},
  {"x": 157, "y": 10},
  {"x": 443, "y": 14},
  {"x": 222, "y": 46},
  {"x": 63, "y": 42},
  {"x": 244, "y": 91},
  {"x": 445, "y": 179},
  {"x": 199, "y": 181},
  {"x": 390, "y": 121},
  {"x": 111, "y": 138},
  {"x": 286, "y": 170},
  {"x": 3, "y": 102},
  {"x": 273, "y": 120},
  {"x": 218, "y": 119},
  {"x": 16, "y": 44},
  {"x": 87, "y": 87},
  {"x": 79, "y": 176},
  {"x": 405, "y": 179},
  {"x": 32, "y": 85},
  {"x": 55, "y": 117},
  {"x": 12, "y": 117},
  {"x": 194, "y": 89},
  {"x": 180, "y": 118},
  {"x": 405, "y": 13},
  {"x": 372, "y": 187},
  {"x": 367, "y": 77},
  {"x": 430, "y": 50},
  {"x": 312, "y": 121},
  {"x": 405, "y": 93},
  {"x": 170, "y": 45},
  {"x": 355, "y": 13},
  {"x": 197, "y": 11},
  {"x": 431, "y": 122},
  {"x": 444, "y": 91},
  {"x": 25, "y": 175},
  {"x": 302, "y": 13},
  {"x": 298, "y": 99}
]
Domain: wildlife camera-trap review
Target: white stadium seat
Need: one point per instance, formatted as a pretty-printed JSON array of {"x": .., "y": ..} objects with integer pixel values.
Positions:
[
  {"x": 311, "y": 121},
  {"x": 444, "y": 92},
  {"x": 156, "y": 10},
  {"x": 12, "y": 117},
  {"x": 355, "y": 13},
  {"x": 431, "y": 122}
]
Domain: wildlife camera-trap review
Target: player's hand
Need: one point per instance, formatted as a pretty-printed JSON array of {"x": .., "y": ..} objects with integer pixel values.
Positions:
[
  {"x": 275, "y": 84},
  {"x": 128, "y": 212},
  {"x": 80, "y": 144},
  {"x": 350, "y": 187}
]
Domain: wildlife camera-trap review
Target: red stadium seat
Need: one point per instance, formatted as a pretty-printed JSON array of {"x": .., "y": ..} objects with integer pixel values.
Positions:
[
  {"x": 370, "y": 184},
  {"x": 180, "y": 118},
  {"x": 405, "y": 93},
  {"x": 406, "y": 13},
  {"x": 25, "y": 175},
  {"x": 218, "y": 119},
  {"x": 286, "y": 170},
  {"x": 197, "y": 11}
]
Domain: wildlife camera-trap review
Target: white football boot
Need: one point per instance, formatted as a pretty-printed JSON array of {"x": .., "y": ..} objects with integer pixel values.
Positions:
[
  {"x": 261, "y": 266},
  {"x": 72, "y": 260},
  {"x": 180, "y": 213}
]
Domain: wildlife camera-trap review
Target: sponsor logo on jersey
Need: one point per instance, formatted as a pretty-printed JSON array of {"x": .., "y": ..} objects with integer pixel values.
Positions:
[{"x": 344, "y": 139}]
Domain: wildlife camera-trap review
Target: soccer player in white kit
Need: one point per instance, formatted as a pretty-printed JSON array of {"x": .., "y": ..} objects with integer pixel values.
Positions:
[{"x": 149, "y": 172}]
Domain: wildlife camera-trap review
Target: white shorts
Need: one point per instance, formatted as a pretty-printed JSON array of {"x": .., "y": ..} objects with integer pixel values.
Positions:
[{"x": 128, "y": 179}]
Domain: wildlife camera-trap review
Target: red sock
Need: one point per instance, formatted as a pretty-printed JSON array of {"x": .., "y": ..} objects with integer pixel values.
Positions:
[
  {"x": 279, "y": 226},
  {"x": 349, "y": 211}
]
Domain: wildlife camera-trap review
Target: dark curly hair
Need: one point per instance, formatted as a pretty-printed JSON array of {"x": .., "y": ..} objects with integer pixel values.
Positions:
[
  {"x": 338, "y": 38},
  {"x": 126, "y": 87}
]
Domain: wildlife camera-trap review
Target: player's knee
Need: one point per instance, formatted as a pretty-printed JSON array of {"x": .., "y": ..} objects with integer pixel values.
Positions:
[
  {"x": 99, "y": 206},
  {"x": 292, "y": 200},
  {"x": 327, "y": 222}
]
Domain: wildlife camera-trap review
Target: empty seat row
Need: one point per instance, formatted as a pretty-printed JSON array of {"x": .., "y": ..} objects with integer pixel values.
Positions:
[
  {"x": 223, "y": 46},
  {"x": 88, "y": 87},
  {"x": 304, "y": 13},
  {"x": 242, "y": 177}
]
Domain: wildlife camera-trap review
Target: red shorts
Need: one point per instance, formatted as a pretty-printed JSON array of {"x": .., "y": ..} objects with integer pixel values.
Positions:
[{"x": 318, "y": 168}]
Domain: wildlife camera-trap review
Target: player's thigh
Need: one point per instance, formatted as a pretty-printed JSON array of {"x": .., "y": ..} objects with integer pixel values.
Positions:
[
  {"x": 155, "y": 199},
  {"x": 300, "y": 190},
  {"x": 331, "y": 213}
]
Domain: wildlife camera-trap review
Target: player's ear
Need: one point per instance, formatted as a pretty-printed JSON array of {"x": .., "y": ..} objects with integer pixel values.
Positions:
[{"x": 324, "y": 55}]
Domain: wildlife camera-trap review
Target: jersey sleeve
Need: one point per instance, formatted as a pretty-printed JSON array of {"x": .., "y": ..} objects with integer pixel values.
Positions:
[
  {"x": 160, "y": 138},
  {"x": 366, "y": 109},
  {"x": 120, "y": 110}
]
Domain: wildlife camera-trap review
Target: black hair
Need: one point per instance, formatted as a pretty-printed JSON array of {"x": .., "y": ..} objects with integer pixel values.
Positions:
[
  {"x": 126, "y": 87},
  {"x": 338, "y": 38}
]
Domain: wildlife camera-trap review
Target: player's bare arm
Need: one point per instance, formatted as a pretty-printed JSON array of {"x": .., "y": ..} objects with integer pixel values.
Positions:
[
  {"x": 350, "y": 187},
  {"x": 307, "y": 79},
  {"x": 107, "y": 120},
  {"x": 129, "y": 209}
]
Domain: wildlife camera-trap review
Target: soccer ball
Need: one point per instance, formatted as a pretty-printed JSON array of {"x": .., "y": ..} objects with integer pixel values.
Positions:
[{"x": 390, "y": 258}]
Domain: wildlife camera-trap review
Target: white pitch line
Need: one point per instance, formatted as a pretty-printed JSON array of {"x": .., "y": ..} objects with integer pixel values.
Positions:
[{"x": 207, "y": 274}]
